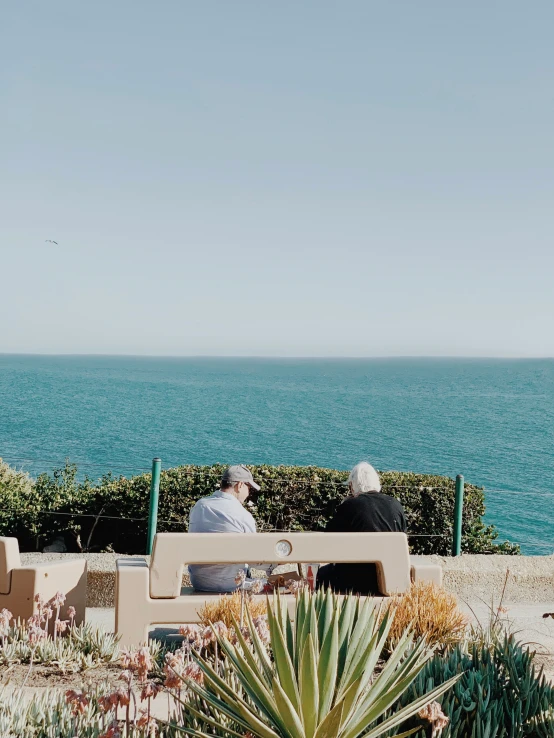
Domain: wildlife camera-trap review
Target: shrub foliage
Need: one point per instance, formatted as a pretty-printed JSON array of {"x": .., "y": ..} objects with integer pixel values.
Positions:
[
  {"x": 110, "y": 514},
  {"x": 500, "y": 694}
]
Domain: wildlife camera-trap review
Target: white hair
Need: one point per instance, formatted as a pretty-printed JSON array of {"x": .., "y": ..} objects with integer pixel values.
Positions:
[{"x": 364, "y": 478}]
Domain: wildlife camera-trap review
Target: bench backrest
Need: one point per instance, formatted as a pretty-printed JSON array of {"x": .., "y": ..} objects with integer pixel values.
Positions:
[
  {"x": 9, "y": 560},
  {"x": 389, "y": 551}
]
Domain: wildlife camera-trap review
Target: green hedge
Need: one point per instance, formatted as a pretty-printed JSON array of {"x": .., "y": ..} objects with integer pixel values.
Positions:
[{"x": 91, "y": 516}]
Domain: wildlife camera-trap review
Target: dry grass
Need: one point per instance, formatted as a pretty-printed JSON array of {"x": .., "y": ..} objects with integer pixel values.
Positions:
[
  {"x": 429, "y": 611},
  {"x": 228, "y": 606}
]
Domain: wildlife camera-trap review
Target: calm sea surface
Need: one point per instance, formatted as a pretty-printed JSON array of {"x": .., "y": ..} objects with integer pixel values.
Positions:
[{"x": 491, "y": 420}]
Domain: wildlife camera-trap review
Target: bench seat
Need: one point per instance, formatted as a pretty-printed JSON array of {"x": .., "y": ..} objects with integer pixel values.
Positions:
[{"x": 154, "y": 595}]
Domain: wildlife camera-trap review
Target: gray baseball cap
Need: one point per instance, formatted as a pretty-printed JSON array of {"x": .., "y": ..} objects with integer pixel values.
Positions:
[{"x": 239, "y": 473}]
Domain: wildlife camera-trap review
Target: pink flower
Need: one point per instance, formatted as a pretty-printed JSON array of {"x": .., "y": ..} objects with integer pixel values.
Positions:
[
  {"x": 35, "y": 621},
  {"x": 58, "y": 600},
  {"x": 118, "y": 698},
  {"x": 150, "y": 691},
  {"x": 144, "y": 663},
  {"x": 221, "y": 629},
  {"x": 36, "y": 634},
  {"x": 435, "y": 717},
  {"x": 123, "y": 697},
  {"x": 79, "y": 701},
  {"x": 126, "y": 676},
  {"x": 147, "y": 722},
  {"x": 262, "y": 628},
  {"x": 172, "y": 680},
  {"x": 208, "y": 636},
  {"x": 189, "y": 632},
  {"x": 128, "y": 659},
  {"x": 61, "y": 626},
  {"x": 112, "y": 732},
  {"x": 172, "y": 669},
  {"x": 105, "y": 702},
  {"x": 5, "y": 619},
  {"x": 71, "y": 612},
  {"x": 194, "y": 673}
]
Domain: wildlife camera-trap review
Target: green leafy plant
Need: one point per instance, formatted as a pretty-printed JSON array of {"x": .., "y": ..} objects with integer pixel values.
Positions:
[
  {"x": 500, "y": 693},
  {"x": 19, "y": 504},
  {"x": 292, "y": 498},
  {"x": 320, "y": 679}
]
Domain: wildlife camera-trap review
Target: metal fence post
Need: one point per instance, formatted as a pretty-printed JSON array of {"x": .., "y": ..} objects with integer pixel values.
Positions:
[
  {"x": 458, "y": 510},
  {"x": 154, "y": 498}
]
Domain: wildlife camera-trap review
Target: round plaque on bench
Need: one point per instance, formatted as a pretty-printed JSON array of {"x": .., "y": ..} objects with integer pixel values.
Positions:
[{"x": 283, "y": 549}]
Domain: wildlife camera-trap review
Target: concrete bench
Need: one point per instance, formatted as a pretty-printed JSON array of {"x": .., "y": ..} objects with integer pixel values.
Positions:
[
  {"x": 147, "y": 596},
  {"x": 19, "y": 585}
]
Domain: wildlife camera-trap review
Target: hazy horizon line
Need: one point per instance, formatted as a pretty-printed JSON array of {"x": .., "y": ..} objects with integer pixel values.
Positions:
[{"x": 317, "y": 357}]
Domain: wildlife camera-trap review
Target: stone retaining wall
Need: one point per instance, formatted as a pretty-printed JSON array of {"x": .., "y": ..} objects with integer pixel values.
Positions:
[{"x": 471, "y": 577}]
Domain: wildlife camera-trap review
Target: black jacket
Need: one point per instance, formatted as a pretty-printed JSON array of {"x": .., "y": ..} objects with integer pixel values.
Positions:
[{"x": 369, "y": 512}]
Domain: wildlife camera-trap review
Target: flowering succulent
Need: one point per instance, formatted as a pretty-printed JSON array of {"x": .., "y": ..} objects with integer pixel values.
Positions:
[
  {"x": 436, "y": 718},
  {"x": 189, "y": 632},
  {"x": 79, "y": 701},
  {"x": 61, "y": 626},
  {"x": 58, "y": 600}
]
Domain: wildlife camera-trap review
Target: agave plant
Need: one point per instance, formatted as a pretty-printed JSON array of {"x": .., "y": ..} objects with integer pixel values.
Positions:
[{"x": 318, "y": 681}]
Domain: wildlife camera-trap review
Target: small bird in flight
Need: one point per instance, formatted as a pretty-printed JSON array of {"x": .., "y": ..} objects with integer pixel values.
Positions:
[{"x": 50, "y": 241}]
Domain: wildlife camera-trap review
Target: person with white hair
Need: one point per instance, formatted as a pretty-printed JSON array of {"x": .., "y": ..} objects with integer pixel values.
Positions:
[{"x": 366, "y": 510}]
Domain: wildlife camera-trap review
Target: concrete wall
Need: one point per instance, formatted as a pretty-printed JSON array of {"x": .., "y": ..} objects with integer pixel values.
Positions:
[{"x": 472, "y": 578}]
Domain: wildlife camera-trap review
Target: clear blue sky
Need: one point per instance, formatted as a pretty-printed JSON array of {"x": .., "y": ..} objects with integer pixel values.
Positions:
[{"x": 294, "y": 178}]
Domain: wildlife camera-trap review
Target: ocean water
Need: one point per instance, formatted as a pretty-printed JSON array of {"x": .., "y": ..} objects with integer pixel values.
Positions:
[{"x": 491, "y": 420}]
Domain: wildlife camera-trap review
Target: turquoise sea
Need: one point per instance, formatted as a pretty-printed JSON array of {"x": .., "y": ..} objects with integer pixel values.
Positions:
[{"x": 491, "y": 420}]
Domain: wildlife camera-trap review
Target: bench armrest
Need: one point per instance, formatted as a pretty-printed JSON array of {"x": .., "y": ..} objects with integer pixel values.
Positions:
[
  {"x": 49, "y": 578},
  {"x": 424, "y": 572},
  {"x": 131, "y": 562}
]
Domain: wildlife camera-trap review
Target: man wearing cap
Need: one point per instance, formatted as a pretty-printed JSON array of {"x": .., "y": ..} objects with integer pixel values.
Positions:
[{"x": 223, "y": 512}]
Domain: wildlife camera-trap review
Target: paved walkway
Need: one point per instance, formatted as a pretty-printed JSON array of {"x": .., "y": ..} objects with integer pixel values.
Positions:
[{"x": 526, "y": 621}]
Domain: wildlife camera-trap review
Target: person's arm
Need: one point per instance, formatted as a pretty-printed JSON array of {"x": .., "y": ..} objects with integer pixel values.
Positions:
[
  {"x": 341, "y": 522},
  {"x": 249, "y": 526},
  {"x": 398, "y": 518},
  {"x": 403, "y": 524},
  {"x": 193, "y": 519}
]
